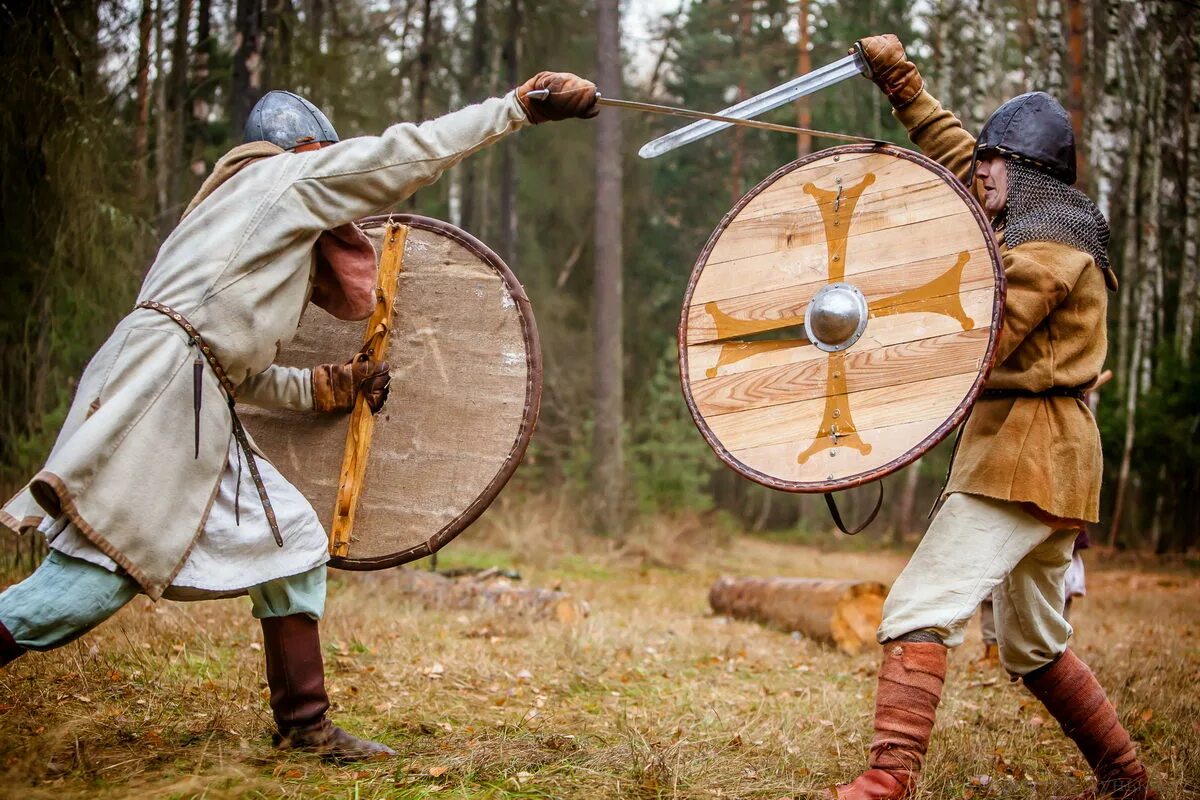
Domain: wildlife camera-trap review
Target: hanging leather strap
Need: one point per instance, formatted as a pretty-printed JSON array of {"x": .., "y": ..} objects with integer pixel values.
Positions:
[
  {"x": 837, "y": 515},
  {"x": 239, "y": 432}
]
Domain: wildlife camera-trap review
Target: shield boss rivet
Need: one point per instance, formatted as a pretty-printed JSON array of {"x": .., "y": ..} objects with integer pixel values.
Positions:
[{"x": 836, "y": 317}]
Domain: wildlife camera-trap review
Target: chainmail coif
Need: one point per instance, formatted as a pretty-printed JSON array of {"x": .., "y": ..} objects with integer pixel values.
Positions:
[{"x": 1042, "y": 208}]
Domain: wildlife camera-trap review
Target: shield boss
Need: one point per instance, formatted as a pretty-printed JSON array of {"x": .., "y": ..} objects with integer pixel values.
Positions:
[{"x": 841, "y": 320}]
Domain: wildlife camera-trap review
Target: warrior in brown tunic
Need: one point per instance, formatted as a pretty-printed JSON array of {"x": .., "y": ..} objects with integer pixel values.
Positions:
[{"x": 1026, "y": 476}]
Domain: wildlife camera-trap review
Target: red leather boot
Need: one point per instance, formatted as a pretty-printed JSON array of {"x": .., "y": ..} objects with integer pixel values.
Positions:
[
  {"x": 910, "y": 688},
  {"x": 1073, "y": 696},
  {"x": 296, "y": 676}
]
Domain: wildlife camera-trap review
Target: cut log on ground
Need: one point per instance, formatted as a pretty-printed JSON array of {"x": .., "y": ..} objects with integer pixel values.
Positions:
[
  {"x": 488, "y": 591},
  {"x": 842, "y": 613}
]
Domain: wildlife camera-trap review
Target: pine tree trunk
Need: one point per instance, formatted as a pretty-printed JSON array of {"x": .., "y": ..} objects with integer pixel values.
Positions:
[
  {"x": 607, "y": 460},
  {"x": 475, "y": 92},
  {"x": 203, "y": 92},
  {"x": 511, "y": 56},
  {"x": 247, "y": 62},
  {"x": 1189, "y": 277},
  {"x": 141, "y": 124},
  {"x": 804, "y": 142},
  {"x": 745, "y": 13},
  {"x": 424, "y": 58},
  {"x": 177, "y": 104},
  {"x": 162, "y": 141}
]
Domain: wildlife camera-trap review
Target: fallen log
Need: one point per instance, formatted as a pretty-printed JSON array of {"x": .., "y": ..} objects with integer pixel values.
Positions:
[
  {"x": 488, "y": 591},
  {"x": 842, "y": 613}
]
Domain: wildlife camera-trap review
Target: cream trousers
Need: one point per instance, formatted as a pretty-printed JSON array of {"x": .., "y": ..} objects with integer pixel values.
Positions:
[{"x": 977, "y": 545}]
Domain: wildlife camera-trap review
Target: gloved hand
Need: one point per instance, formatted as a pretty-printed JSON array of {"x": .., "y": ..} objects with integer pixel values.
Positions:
[
  {"x": 335, "y": 387},
  {"x": 570, "y": 96},
  {"x": 892, "y": 72}
]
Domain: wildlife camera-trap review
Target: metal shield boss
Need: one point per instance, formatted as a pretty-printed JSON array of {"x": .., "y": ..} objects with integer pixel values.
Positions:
[
  {"x": 466, "y": 387},
  {"x": 841, "y": 319}
]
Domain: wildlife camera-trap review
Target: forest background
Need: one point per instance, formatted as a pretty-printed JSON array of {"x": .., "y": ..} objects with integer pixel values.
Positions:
[{"x": 112, "y": 113}]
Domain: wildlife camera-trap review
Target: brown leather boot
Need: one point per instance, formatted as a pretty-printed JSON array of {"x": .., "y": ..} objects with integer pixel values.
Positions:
[
  {"x": 1071, "y": 693},
  {"x": 9, "y": 649},
  {"x": 296, "y": 677},
  {"x": 910, "y": 687}
]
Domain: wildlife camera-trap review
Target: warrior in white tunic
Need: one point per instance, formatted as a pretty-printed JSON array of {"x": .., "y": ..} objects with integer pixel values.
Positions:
[{"x": 153, "y": 485}]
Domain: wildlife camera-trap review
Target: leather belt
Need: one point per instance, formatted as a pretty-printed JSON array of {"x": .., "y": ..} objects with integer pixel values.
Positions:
[
  {"x": 239, "y": 432},
  {"x": 1078, "y": 392}
]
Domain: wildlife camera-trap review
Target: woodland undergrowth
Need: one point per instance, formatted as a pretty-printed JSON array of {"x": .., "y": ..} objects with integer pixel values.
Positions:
[{"x": 650, "y": 696}]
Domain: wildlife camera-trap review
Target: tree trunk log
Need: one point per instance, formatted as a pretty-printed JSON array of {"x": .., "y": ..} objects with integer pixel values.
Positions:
[{"x": 842, "y": 613}]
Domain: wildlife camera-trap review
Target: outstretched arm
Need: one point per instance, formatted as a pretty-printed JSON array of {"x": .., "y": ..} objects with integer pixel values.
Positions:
[
  {"x": 363, "y": 176},
  {"x": 366, "y": 175}
]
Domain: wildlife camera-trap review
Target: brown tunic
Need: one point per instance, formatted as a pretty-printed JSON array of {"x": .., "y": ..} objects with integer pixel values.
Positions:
[{"x": 1040, "y": 451}]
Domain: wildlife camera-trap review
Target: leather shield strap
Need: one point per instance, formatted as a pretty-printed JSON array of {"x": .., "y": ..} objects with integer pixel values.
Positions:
[
  {"x": 239, "y": 432},
  {"x": 837, "y": 515}
]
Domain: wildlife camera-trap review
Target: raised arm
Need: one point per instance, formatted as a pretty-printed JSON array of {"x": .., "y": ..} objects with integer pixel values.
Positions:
[{"x": 935, "y": 130}]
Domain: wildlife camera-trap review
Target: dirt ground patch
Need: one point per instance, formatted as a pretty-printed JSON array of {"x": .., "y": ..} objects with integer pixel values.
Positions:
[{"x": 650, "y": 696}]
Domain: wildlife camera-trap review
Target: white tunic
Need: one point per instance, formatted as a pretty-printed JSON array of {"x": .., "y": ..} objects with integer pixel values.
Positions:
[
  {"x": 124, "y": 468},
  {"x": 229, "y": 557}
]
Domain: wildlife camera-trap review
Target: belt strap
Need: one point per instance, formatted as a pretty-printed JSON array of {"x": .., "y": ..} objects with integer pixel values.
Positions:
[
  {"x": 239, "y": 432},
  {"x": 1078, "y": 392}
]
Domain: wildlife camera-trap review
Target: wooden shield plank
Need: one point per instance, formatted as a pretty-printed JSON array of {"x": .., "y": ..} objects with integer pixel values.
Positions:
[
  {"x": 465, "y": 392},
  {"x": 904, "y": 235}
]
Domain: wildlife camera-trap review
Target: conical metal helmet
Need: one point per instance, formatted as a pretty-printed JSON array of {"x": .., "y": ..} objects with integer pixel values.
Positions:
[
  {"x": 287, "y": 120},
  {"x": 1032, "y": 127}
]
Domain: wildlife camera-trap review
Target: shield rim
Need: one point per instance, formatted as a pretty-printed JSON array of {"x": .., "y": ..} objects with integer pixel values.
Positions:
[
  {"x": 943, "y": 430},
  {"x": 533, "y": 396}
]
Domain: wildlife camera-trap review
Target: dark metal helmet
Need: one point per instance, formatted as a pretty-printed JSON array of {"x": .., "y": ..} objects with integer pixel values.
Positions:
[
  {"x": 1032, "y": 127},
  {"x": 287, "y": 120}
]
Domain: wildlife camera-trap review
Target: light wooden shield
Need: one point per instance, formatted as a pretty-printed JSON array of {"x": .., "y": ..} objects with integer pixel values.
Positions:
[
  {"x": 465, "y": 391},
  {"x": 904, "y": 233}
]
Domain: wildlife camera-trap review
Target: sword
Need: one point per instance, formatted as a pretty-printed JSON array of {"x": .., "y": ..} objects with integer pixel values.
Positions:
[
  {"x": 820, "y": 78},
  {"x": 718, "y": 120}
]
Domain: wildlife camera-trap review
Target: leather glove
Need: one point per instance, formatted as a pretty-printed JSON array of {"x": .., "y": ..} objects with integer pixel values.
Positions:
[
  {"x": 335, "y": 387},
  {"x": 570, "y": 96},
  {"x": 892, "y": 72}
]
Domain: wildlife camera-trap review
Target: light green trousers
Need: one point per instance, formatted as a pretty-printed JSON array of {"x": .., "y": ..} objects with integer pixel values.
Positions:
[
  {"x": 974, "y": 546},
  {"x": 66, "y": 597}
]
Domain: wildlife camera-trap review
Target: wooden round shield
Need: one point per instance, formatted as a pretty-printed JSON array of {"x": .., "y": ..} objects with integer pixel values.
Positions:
[
  {"x": 465, "y": 391},
  {"x": 841, "y": 319}
]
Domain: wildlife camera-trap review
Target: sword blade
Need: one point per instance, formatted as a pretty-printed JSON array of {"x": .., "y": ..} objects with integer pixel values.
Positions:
[
  {"x": 723, "y": 121},
  {"x": 785, "y": 93}
]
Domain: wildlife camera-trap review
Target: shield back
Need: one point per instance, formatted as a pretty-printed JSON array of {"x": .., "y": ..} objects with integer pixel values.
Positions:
[
  {"x": 465, "y": 391},
  {"x": 903, "y": 270}
]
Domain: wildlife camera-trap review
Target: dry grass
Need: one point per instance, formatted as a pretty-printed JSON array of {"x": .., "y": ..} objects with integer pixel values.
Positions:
[{"x": 649, "y": 697}]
